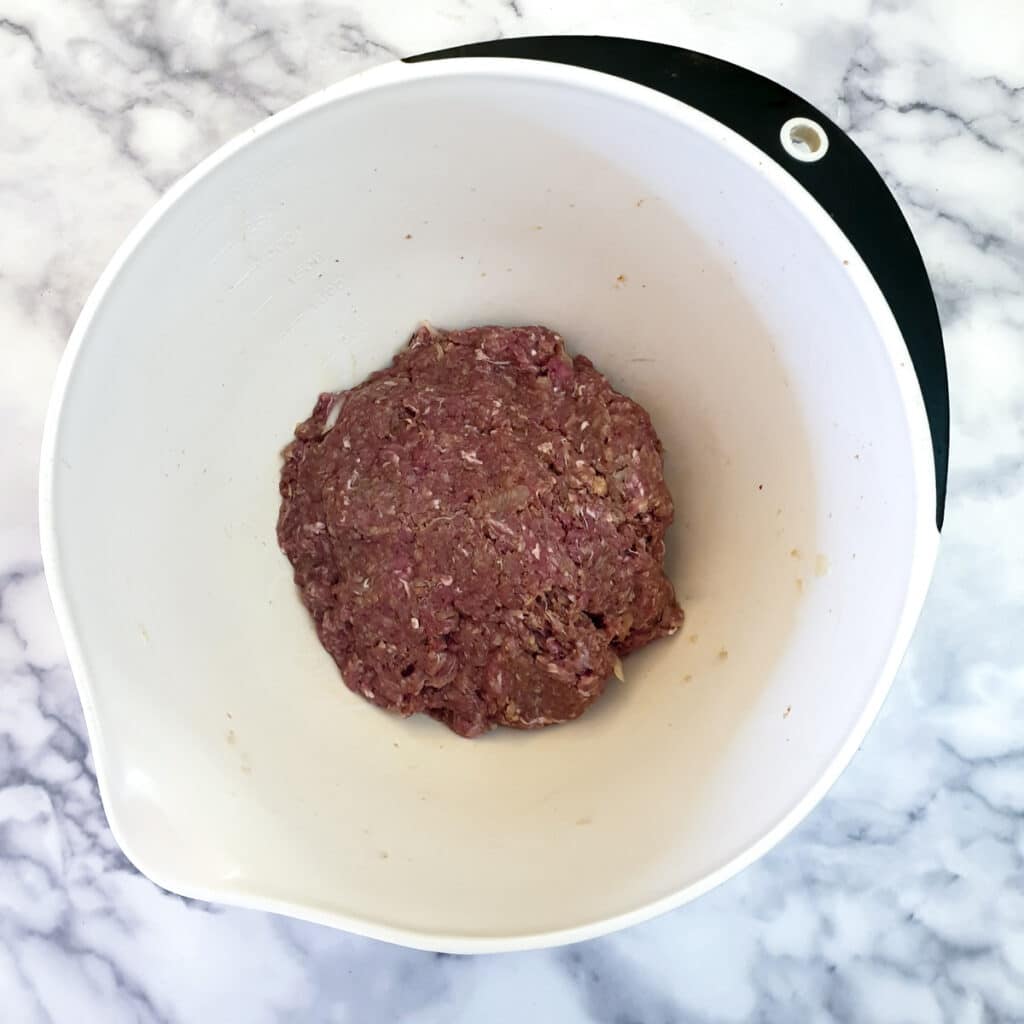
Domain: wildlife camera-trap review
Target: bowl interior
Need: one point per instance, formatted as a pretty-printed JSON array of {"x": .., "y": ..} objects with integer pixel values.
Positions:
[{"x": 234, "y": 762}]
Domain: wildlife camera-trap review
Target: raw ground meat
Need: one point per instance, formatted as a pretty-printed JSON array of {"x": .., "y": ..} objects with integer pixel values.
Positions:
[{"x": 478, "y": 530}]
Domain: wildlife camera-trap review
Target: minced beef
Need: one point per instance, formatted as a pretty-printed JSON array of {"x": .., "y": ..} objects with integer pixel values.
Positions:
[{"x": 478, "y": 530}]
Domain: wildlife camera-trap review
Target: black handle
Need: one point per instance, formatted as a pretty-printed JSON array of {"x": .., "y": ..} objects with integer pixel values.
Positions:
[{"x": 844, "y": 183}]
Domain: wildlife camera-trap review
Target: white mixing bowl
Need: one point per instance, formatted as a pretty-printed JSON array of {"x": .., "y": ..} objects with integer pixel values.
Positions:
[{"x": 705, "y": 279}]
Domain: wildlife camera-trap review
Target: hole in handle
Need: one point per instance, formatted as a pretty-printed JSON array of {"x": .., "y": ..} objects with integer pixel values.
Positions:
[{"x": 804, "y": 139}]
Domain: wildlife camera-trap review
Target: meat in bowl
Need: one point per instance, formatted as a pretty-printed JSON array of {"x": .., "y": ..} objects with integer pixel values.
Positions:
[{"x": 478, "y": 530}]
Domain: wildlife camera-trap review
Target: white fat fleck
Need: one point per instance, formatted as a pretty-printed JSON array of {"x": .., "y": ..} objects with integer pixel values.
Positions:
[
  {"x": 346, "y": 443},
  {"x": 393, "y": 458},
  {"x": 580, "y": 463},
  {"x": 352, "y": 479},
  {"x": 536, "y": 551},
  {"x": 436, "y": 503},
  {"x": 636, "y": 455},
  {"x": 445, "y": 581},
  {"x": 366, "y": 583},
  {"x": 483, "y": 357},
  {"x": 414, "y": 622},
  {"x": 584, "y": 424},
  {"x": 333, "y": 414},
  {"x": 471, "y": 458},
  {"x": 617, "y": 669},
  {"x": 405, "y": 585},
  {"x": 547, "y": 447},
  {"x": 592, "y": 512}
]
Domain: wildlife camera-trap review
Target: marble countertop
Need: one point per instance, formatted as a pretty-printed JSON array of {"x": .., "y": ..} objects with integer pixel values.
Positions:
[{"x": 900, "y": 899}]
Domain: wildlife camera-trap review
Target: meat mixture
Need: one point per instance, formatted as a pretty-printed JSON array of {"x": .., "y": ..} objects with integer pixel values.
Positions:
[{"x": 478, "y": 530}]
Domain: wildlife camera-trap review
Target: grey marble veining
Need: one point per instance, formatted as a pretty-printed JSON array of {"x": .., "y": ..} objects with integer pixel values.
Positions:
[{"x": 901, "y": 898}]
